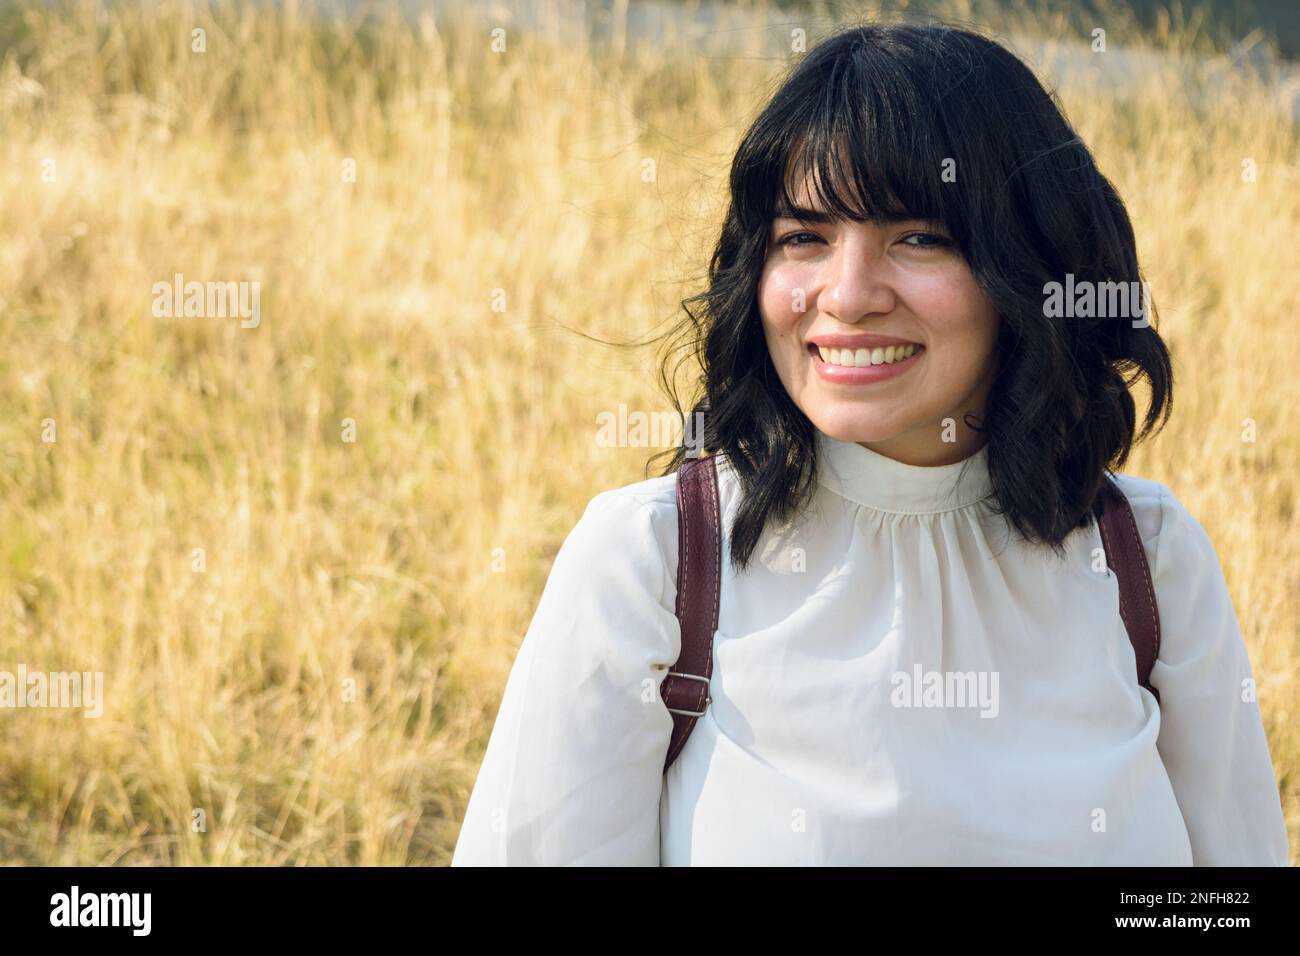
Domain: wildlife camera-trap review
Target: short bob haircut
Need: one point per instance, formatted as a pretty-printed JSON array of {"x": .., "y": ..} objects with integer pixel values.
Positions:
[{"x": 1028, "y": 207}]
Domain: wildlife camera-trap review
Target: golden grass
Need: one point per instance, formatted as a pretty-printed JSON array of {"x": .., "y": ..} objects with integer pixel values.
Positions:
[{"x": 512, "y": 180}]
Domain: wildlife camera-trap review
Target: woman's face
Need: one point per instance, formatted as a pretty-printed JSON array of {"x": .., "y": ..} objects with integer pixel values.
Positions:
[{"x": 846, "y": 288}]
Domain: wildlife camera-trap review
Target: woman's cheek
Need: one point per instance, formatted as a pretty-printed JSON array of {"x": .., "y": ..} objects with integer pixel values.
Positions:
[
  {"x": 946, "y": 302},
  {"x": 784, "y": 291}
]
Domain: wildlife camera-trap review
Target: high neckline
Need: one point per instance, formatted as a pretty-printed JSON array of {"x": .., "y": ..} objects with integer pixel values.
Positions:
[{"x": 872, "y": 479}]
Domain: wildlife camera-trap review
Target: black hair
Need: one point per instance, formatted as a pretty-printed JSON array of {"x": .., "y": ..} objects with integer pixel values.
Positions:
[{"x": 876, "y": 110}]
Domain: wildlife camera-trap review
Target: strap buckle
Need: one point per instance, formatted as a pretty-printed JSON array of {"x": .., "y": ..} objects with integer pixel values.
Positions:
[{"x": 707, "y": 699}]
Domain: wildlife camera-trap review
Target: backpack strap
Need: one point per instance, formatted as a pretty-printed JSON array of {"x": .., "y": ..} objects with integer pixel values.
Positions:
[
  {"x": 1137, "y": 596},
  {"x": 685, "y": 689}
]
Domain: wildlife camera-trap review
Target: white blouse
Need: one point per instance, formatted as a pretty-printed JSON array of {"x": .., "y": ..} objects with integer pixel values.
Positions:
[{"x": 837, "y": 732}]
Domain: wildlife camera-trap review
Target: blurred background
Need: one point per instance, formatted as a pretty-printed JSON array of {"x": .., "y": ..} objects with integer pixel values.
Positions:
[{"x": 302, "y": 537}]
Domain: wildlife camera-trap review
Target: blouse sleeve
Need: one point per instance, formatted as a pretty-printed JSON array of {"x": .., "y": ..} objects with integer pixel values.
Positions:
[
  {"x": 1211, "y": 737},
  {"x": 573, "y": 769}
]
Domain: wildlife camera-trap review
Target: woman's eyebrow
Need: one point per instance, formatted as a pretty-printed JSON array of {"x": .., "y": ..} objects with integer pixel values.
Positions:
[{"x": 801, "y": 213}]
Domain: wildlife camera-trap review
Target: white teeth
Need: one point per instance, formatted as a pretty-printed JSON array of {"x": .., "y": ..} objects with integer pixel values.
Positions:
[{"x": 861, "y": 358}]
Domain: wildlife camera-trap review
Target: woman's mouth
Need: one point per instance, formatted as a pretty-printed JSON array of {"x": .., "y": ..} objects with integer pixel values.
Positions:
[{"x": 846, "y": 366}]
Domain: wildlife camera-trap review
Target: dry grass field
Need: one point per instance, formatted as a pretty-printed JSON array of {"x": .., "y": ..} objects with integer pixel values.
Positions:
[{"x": 303, "y": 551}]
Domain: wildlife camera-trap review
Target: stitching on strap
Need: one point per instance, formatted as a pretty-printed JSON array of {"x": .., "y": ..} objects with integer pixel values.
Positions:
[
  {"x": 1150, "y": 589},
  {"x": 1120, "y": 503}
]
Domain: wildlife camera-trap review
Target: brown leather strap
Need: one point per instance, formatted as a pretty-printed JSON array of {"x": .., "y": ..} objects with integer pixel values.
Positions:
[
  {"x": 1137, "y": 595},
  {"x": 685, "y": 690}
]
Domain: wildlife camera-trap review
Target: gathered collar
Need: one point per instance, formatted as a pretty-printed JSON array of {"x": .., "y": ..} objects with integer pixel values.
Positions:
[{"x": 871, "y": 479}]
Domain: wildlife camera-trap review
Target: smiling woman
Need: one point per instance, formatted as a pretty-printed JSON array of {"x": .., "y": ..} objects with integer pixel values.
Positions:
[{"x": 910, "y": 454}]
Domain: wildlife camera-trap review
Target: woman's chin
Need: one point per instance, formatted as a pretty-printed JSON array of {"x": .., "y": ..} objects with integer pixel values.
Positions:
[{"x": 852, "y": 424}]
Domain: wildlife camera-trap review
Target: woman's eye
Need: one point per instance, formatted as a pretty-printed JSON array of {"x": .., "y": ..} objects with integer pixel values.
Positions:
[
  {"x": 790, "y": 239},
  {"x": 927, "y": 240},
  {"x": 932, "y": 239}
]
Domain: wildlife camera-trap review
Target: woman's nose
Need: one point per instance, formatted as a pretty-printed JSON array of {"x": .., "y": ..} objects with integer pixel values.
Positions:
[{"x": 858, "y": 280}]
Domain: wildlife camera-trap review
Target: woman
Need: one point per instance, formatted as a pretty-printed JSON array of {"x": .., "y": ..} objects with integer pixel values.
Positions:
[{"x": 910, "y": 432}]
